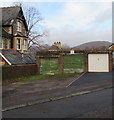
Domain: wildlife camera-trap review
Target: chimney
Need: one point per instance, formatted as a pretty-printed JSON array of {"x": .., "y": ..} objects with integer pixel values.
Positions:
[{"x": 58, "y": 44}]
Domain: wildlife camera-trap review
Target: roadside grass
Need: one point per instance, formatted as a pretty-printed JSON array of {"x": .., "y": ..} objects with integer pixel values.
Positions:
[
  {"x": 25, "y": 78},
  {"x": 36, "y": 77}
]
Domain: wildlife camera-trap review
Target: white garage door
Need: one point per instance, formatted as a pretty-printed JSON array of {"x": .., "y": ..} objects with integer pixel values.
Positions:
[{"x": 98, "y": 62}]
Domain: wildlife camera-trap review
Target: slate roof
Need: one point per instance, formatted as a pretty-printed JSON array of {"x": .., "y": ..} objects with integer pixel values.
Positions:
[
  {"x": 16, "y": 58},
  {"x": 5, "y": 34},
  {"x": 54, "y": 48},
  {"x": 9, "y": 14},
  {"x": 111, "y": 44}
]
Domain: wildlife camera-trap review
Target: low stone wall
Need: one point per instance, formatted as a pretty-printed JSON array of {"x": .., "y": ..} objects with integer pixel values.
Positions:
[{"x": 15, "y": 71}]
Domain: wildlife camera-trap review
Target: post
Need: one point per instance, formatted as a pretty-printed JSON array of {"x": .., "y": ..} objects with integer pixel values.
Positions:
[
  {"x": 85, "y": 62},
  {"x": 38, "y": 64},
  {"x": 110, "y": 62},
  {"x": 60, "y": 64}
]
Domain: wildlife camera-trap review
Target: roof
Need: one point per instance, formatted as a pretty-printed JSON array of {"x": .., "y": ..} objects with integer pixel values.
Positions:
[
  {"x": 111, "y": 45},
  {"x": 54, "y": 48},
  {"x": 16, "y": 58},
  {"x": 6, "y": 35},
  {"x": 9, "y": 14}
]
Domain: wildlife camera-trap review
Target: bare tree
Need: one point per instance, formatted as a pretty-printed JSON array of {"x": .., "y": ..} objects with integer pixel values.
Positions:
[
  {"x": 66, "y": 47},
  {"x": 33, "y": 18}
]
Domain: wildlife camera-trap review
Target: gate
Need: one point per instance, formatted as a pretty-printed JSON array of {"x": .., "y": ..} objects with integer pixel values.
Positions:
[
  {"x": 73, "y": 63},
  {"x": 49, "y": 66},
  {"x": 55, "y": 62}
]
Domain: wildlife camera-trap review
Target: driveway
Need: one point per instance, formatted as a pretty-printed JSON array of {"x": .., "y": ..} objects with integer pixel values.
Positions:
[{"x": 93, "y": 77}]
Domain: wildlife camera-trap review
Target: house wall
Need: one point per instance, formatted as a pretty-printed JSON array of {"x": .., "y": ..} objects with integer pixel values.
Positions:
[
  {"x": 23, "y": 29},
  {"x": 6, "y": 42},
  {"x": 24, "y": 33},
  {"x": 71, "y": 51},
  {"x": 8, "y": 29},
  {"x": 16, "y": 71},
  {"x": 14, "y": 30}
]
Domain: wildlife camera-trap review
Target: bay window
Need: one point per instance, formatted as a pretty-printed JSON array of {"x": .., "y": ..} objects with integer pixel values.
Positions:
[
  {"x": 18, "y": 44},
  {"x": 24, "y": 44}
]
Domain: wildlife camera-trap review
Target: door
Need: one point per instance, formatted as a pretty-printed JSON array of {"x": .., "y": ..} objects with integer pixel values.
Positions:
[{"x": 98, "y": 63}]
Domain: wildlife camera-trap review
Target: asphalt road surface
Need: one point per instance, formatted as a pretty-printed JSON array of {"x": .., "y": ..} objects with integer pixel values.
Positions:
[
  {"x": 93, "y": 105},
  {"x": 92, "y": 77}
]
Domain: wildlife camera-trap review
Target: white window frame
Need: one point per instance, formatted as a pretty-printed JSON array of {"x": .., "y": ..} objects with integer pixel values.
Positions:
[
  {"x": 18, "y": 43},
  {"x": 24, "y": 44},
  {"x": 19, "y": 26}
]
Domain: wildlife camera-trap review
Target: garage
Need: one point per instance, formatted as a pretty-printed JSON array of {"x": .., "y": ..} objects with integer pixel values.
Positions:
[{"x": 98, "y": 61}]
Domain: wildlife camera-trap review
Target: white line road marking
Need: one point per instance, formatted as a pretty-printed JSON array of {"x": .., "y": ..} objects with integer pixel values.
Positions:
[{"x": 75, "y": 80}]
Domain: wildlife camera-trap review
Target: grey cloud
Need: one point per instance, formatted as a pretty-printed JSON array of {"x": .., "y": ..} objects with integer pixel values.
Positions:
[
  {"x": 77, "y": 37},
  {"x": 103, "y": 16}
]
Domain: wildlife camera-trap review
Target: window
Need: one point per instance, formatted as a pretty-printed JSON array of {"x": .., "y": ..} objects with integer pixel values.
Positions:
[
  {"x": 19, "y": 26},
  {"x": 18, "y": 44},
  {"x": 24, "y": 44}
]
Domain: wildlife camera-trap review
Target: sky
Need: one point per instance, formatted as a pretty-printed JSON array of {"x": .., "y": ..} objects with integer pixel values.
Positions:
[{"x": 73, "y": 22}]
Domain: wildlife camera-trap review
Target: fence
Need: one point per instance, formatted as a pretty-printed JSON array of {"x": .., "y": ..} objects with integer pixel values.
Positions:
[
  {"x": 65, "y": 63},
  {"x": 15, "y": 71},
  {"x": 73, "y": 63},
  {"x": 49, "y": 66}
]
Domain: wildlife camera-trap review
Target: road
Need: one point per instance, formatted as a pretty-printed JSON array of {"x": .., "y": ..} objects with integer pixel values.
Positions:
[{"x": 93, "y": 105}]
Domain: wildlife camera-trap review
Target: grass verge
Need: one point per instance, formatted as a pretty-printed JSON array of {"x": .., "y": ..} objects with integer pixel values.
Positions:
[{"x": 35, "y": 77}]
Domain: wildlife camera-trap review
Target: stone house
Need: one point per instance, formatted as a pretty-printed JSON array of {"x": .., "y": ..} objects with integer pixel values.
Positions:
[
  {"x": 14, "y": 38},
  {"x": 56, "y": 47}
]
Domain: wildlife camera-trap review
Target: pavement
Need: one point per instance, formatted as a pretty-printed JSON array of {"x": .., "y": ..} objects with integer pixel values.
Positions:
[{"x": 87, "y": 83}]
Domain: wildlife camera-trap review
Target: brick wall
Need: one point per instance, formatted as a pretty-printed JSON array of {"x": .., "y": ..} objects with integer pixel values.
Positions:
[
  {"x": 85, "y": 62},
  {"x": 3, "y": 62},
  {"x": 15, "y": 71}
]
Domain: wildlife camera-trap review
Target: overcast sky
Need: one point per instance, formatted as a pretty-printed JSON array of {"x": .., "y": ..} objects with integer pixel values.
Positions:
[{"x": 73, "y": 22}]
